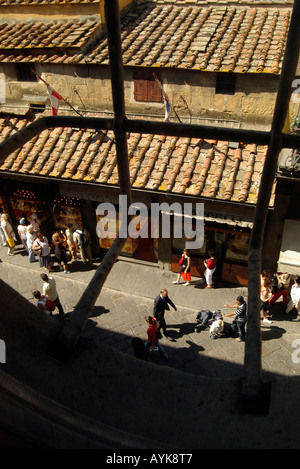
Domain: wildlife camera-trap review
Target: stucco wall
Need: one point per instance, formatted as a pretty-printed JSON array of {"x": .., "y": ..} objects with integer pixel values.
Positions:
[{"x": 88, "y": 87}]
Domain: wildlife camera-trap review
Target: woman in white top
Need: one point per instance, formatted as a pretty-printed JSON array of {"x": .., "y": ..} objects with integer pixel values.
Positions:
[
  {"x": 9, "y": 233},
  {"x": 41, "y": 248}
]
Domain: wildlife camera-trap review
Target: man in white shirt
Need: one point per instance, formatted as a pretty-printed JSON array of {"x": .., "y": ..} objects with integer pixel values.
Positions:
[
  {"x": 50, "y": 291},
  {"x": 295, "y": 298}
]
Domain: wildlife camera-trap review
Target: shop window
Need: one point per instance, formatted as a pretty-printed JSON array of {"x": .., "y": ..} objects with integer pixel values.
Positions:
[
  {"x": 66, "y": 210},
  {"x": 25, "y": 73},
  {"x": 237, "y": 247},
  {"x": 21, "y": 206},
  {"x": 225, "y": 83},
  {"x": 145, "y": 87},
  {"x": 135, "y": 246},
  {"x": 109, "y": 224}
]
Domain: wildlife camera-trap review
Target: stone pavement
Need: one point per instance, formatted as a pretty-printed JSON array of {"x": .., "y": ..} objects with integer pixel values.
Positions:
[{"x": 127, "y": 298}]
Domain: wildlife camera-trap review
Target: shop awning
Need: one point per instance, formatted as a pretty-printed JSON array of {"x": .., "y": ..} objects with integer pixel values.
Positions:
[
  {"x": 239, "y": 222},
  {"x": 289, "y": 259}
]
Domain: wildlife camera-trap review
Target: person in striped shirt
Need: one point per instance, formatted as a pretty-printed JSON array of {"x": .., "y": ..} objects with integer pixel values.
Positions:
[{"x": 239, "y": 322}]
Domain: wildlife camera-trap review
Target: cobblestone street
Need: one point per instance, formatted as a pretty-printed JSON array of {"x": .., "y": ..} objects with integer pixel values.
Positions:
[{"x": 120, "y": 310}]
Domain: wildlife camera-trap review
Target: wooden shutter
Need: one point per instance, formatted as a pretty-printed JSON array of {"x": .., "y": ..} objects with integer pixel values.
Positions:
[{"x": 145, "y": 87}]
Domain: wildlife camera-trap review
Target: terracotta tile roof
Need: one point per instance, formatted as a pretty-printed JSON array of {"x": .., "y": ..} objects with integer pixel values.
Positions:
[
  {"x": 193, "y": 167},
  {"x": 22, "y": 38},
  {"x": 197, "y": 36}
]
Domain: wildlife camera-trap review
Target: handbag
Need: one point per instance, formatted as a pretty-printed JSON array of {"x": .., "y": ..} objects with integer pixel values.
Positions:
[
  {"x": 186, "y": 276},
  {"x": 180, "y": 261},
  {"x": 37, "y": 250},
  {"x": 11, "y": 242}
]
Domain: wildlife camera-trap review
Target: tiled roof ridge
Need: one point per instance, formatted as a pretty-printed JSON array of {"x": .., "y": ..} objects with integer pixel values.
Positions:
[
  {"x": 52, "y": 33},
  {"x": 199, "y": 36},
  {"x": 219, "y": 171},
  {"x": 176, "y": 165},
  {"x": 214, "y": 43},
  {"x": 191, "y": 166},
  {"x": 233, "y": 174}
]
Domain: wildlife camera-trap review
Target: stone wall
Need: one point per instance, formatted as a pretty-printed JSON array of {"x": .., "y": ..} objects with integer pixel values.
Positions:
[{"x": 88, "y": 87}]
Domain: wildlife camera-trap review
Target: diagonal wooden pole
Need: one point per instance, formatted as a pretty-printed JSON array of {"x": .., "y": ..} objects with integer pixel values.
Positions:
[
  {"x": 70, "y": 334},
  {"x": 253, "y": 385}
]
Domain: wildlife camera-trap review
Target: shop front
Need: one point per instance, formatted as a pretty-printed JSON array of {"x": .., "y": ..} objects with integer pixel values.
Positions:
[
  {"x": 52, "y": 213},
  {"x": 230, "y": 245},
  {"x": 136, "y": 246},
  {"x": 59, "y": 206}
]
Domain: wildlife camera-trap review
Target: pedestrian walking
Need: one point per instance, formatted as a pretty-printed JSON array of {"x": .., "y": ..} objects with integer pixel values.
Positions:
[
  {"x": 161, "y": 303},
  {"x": 184, "y": 269},
  {"x": 239, "y": 322},
  {"x": 82, "y": 242},
  {"x": 41, "y": 248},
  {"x": 50, "y": 291},
  {"x": 152, "y": 340},
  {"x": 9, "y": 233},
  {"x": 210, "y": 265}
]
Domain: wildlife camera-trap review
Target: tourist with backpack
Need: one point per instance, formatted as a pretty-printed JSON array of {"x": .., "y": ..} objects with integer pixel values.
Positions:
[{"x": 82, "y": 242}]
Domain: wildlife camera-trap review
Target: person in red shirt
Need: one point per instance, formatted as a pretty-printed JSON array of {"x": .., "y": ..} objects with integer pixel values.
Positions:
[
  {"x": 152, "y": 340},
  {"x": 210, "y": 265}
]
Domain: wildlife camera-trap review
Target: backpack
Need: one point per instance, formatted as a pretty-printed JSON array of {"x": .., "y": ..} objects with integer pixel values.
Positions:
[
  {"x": 83, "y": 239},
  {"x": 50, "y": 305}
]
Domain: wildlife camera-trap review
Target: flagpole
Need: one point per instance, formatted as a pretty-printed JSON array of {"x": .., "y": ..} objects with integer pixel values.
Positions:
[
  {"x": 63, "y": 99},
  {"x": 165, "y": 94},
  {"x": 47, "y": 84}
]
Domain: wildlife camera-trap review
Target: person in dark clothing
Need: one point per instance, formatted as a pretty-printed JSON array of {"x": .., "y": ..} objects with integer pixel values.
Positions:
[
  {"x": 161, "y": 303},
  {"x": 185, "y": 268},
  {"x": 239, "y": 322}
]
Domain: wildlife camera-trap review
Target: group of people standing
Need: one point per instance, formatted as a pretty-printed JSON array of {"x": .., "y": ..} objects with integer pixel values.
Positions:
[
  {"x": 278, "y": 286},
  {"x": 74, "y": 239},
  {"x": 272, "y": 289},
  {"x": 210, "y": 264}
]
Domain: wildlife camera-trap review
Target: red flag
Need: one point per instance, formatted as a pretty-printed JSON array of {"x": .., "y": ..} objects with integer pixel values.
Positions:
[
  {"x": 54, "y": 96},
  {"x": 168, "y": 104}
]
